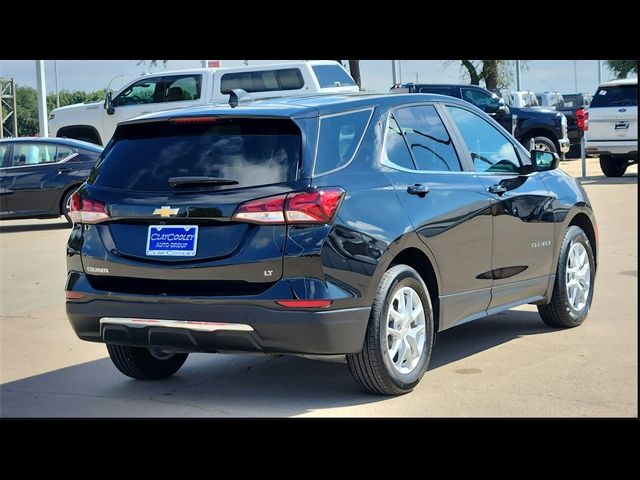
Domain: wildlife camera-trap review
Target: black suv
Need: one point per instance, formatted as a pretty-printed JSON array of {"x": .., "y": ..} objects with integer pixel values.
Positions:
[
  {"x": 546, "y": 127},
  {"x": 358, "y": 225}
]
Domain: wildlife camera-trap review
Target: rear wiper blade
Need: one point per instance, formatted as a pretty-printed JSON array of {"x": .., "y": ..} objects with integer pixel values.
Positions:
[{"x": 182, "y": 181}]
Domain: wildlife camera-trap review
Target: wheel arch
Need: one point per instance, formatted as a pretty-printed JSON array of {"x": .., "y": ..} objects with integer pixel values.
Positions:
[
  {"x": 73, "y": 131},
  {"x": 581, "y": 220},
  {"x": 417, "y": 259},
  {"x": 539, "y": 131}
]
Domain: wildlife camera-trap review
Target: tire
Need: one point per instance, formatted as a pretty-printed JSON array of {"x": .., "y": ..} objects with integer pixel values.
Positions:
[
  {"x": 374, "y": 368},
  {"x": 139, "y": 363},
  {"x": 612, "y": 168},
  {"x": 561, "y": 312},
  {"x": 544, "y": 142},
  {"x": 64, "y": 204}
]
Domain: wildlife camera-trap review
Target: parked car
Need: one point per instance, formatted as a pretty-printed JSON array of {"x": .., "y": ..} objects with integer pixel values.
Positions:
[
  {"x": 547, "y": 128},
  {"x": 613, "y": 126},
  {"x": 95, "y": 122},
  {"x": 575, "y": 109},
  {"x": 252, "y": 229},
  {"x": 38, "y": 175},
  {"x": 551, "y": 100}
]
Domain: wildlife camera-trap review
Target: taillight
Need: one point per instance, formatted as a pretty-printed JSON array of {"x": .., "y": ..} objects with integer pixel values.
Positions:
[
  {"x": 317, "y": 206},
  {"x": 84, "y": 210},
  {"x": 582, "y": 119},
  {"x": 194, "y": 119},
  {"x": 263, "y": 210}
]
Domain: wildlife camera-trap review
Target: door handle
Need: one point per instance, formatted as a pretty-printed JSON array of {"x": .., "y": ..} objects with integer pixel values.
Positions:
[
  {"x": 418, "y": 189},
  {"x": 497, "y": 189},
  {"x": 64, "y": 170},
  {"x": 144, "y": 113}
]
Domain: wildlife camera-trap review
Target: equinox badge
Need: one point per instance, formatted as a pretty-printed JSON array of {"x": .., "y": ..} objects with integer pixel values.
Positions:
[{"x": 166, "y": 211}]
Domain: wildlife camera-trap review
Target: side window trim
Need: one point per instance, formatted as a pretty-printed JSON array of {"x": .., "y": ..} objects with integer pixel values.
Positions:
[
  {"x": 464, "y": 145},
  {"x": 355, "y": 152}
]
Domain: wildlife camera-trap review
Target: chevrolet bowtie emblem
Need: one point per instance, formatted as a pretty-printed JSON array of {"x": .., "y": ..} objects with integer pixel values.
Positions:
[{"x": 166, "y": 211}]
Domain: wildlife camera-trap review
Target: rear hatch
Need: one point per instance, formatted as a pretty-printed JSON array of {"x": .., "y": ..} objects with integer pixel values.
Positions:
[
  {"x": 613, "y": 114},
  {"x": 170, "y": 189}
]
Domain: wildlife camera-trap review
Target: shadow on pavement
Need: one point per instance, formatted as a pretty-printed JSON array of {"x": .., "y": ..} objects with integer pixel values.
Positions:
[
  {"x": 34, "y": 227},
  {"x": 228, "y": 385},
  {"x": 627, "y": 179}
]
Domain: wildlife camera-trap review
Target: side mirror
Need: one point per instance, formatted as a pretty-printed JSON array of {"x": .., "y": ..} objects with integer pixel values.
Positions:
[
  {"x": 108, "y": 104},
  {"x": 543, "y": 160}
]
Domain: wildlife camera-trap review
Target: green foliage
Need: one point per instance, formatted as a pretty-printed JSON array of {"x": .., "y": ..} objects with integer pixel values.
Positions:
[
  {"x": 622, "y": 68},
  {"x": 27, "y": 111},
  {"x": 27, "y": 105},
  {"x": 495, "y": 73}
]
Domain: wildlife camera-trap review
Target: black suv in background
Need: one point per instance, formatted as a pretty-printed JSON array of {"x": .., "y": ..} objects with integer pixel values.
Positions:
[
  {"x": 358, "y": 225},
  {"x": 546, "y": 127}
]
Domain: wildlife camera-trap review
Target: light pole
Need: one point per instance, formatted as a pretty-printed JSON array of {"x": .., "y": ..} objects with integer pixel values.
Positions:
[
  {"x": 42, "y": 99},
  {"x": 599, "y": 72},
  {"x": 394, "y": 72},
  {"x": 575, "y": 76},
  {"x": 55, "y": 71},
  {"x": 417, "y": 81},
  {"x": 517, "y": 74}
]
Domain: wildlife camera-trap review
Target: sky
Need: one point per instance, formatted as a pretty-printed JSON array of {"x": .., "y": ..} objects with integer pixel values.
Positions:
[{"x": 537, "y": 75}]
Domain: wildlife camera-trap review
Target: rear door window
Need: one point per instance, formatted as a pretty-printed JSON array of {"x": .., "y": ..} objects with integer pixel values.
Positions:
[
  {"x": 182, "y": 88},
  {"x": 339, "y": 138},
  {"x": 616, "y": 96},
  {"x": 332, "y": 76},
  {"x": 251, "y": 152},
  {"x": 395, "y": 148},
  {"x": 428, "y": 139}
]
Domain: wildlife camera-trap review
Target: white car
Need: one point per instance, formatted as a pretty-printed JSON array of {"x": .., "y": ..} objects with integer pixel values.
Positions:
[
  {"x": 613, "y": 126},
  {"x": 95, "y": 122}
]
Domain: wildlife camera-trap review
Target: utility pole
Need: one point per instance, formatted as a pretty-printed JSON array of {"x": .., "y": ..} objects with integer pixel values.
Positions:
[
  {"x": 394, "y": 72},
  {"x": 599, "y": 72},
  {"x": 55, "y": 70},
  {"x": 575, "y": 76},
  {"x": 517, "y": 74},
  {"x": 417, "y": 81},
  {"x": 42, "y": 99}
]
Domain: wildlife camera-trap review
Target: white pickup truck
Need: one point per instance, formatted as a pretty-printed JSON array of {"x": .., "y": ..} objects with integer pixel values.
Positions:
[
  {"x": 613, "y": 126},
  {"x": 95, "y": 122}
]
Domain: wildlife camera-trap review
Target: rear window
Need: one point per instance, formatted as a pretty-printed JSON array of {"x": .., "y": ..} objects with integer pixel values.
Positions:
[
  {"x": 262, "y": 80},
  {"x": 328, "y": 75},
  {"x": 616, "y": 96},
  {"x": 340, "y": 136},
  {"x": 252, "y": 152}
]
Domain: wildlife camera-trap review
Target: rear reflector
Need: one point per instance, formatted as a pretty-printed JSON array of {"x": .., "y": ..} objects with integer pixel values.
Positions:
[
  {"x": 74, "y": 295},
  {"x": 304, "y": 303},
  {"x": 85, "y": 210},
  {"x": 317, "y": 206}
]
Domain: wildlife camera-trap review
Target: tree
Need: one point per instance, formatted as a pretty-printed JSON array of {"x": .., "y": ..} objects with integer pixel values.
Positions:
[
  {"x": 27, "y": 111},
  {"x": 622, "y": 68},
  {"x": 495, "y": 73},
  {"x": 27, "y": 106}
]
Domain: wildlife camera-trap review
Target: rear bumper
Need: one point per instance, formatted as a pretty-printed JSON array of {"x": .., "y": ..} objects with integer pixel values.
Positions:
[
  {"x": 613, "y": 148},
  {"x": 201, "y": 326}
]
